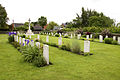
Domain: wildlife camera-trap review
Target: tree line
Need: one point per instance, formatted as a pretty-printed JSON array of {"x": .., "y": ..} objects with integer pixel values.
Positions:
[{"x": 90, "y": 18}]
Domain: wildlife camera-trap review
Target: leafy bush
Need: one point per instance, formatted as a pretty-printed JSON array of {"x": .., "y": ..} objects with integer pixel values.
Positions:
[
  {"x": 41, "y": 33},
  {"x": 57, "y": 35},
  {"x": 75, "y": 47},
  {"x": 53, "y": 44},
  {"x": 66, "y": 36},
  {"x": 66, "y": 47},
  {"x": 108, "y": 40},
  {"x": 36, "y": 40},
  {"x": 60, "y": 31},
  {"x": 92, "y": 29},
  {"x": 114, "y": 29},
  {"x": 16, "y": 44},
  {"x": 23, "y": 36},
  {"x": 11, "y": 38},
  {"x": 41, "y": 40},
  {"x": 33, "y": 55},
  {"x": 39, "y": 61},
  {"x": 114, "y": 42},
  {"x": 84, "y": 36}
]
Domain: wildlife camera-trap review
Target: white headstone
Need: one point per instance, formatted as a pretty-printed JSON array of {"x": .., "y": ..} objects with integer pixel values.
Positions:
[
  {"x": 19, "y": 40},
  {"x": 46, "y": 53},
  {"x": 106, "y": 36},
  {"x": 32, "y": 43},
  {"x": 60, "y": 41},
  {"x": 71, "y": 36},
  {"x": 18, "y": 32},
  {"x": 52, "y": 34},
  {"x": 14, "y": 37},
  {"x": 49, "y": 33},
  {"x": 114, "y": 37},
  {"x": 60, "y": 34},
  {"x": 65, "y": 34},
  {"x": 87, "y": 36},
  {"x": 38, "y": 37},
  {"x": 23, "y": 41},
  {"x": 101, "y": 38},
  {"x": 118, "y": 40},
  {"x": 78, "y": 36},
  {"x": 38, "y": 44},
  {"x": 47, "y": 38},
  {"x": 90, "y": 35},
  {"x": 86, "y": 46}
]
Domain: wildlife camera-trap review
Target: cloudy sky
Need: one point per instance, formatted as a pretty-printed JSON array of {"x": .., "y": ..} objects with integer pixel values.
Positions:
[{"x": 59, "y": 11}]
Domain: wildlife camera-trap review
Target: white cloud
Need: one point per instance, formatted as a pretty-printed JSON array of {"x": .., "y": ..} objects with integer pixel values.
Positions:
[{"x": 57, "y": 10}]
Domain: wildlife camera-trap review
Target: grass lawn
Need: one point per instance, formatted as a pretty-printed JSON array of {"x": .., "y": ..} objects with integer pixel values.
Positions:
[{"x": 103, "y": 65}]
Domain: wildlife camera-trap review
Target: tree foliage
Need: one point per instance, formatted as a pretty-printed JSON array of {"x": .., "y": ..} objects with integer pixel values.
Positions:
[
  {"x": 91, "y": 18},
  {"x": 3, "y": 16},
  {"x": 42, "y": 21},
  {"x": 51, "y": 25}
]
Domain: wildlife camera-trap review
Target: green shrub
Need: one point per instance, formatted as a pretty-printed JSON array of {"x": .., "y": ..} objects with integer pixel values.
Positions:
[
  {"x": 53, "y": 44},
  {"x": 41, "y": 33},
  {"x": 16, "y": 44},
  {"x": 57, "y": 35},
  {"x": 39, "y": 61},
  {"x": 66, "y": 47},
  {"x": 63, "y": 47},
  {"x": 108, "y": 40},
  {"x": 11, "y": 38},
  {"x": 36, "y": 40},
  {"x": 66, "y": 36},
  {"x": 75, "y": 47},
  {"x": 114, "y": 42},
  {"x": 41, "y": 40},
  {"x": 23, "y": 36},
  {"x": 84, "y": 36},
  {"x": 33, "y": 55}
]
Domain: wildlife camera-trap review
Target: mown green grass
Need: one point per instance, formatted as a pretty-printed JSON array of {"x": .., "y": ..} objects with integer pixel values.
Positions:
[{"x": 103, "y": 65}]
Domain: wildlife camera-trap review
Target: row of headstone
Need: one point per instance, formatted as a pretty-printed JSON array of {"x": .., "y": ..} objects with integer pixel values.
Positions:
[
  {"x": 59, "y": 40},
  {"x": 86, "y": 43},
  {"x": 26, "y": 42},
  {"x": 114, "y": 38},
  {"x": 79, "y": 35}
]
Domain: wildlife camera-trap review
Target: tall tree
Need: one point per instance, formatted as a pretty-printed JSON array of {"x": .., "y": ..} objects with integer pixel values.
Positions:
[
  {"x": 92, "y": 18},
  {"x": 42, "y": 21},
  {"x": 51, "y": 25},
  {"x": 3, "y": 16},
  {"x": 84, "y": 18}
]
